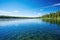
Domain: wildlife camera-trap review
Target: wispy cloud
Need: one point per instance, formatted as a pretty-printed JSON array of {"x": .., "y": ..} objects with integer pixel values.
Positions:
[
  {"x": 4, "y": 12},
  {"x": 58, "y": 4},
  {"x": 8, "y": 13},
  {"x": 53, "y": 5},
  {"x": 16, "y": 11}
]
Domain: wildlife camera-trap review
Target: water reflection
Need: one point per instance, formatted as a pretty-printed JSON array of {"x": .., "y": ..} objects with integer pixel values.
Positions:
[
  {"x": 52, "y": 21},
  {"x": 4, "y": 22},
  {"x": 28, "y": 29}
]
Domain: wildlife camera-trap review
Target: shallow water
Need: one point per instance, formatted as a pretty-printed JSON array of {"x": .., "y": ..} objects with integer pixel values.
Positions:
[{"x": 29, "y": 29}]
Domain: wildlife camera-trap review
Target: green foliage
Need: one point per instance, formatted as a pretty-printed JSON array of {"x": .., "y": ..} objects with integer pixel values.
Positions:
[{"x": 52, "y": 15}]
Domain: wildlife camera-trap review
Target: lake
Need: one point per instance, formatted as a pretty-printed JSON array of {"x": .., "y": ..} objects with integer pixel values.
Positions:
[{"x": 29, "y": 29}]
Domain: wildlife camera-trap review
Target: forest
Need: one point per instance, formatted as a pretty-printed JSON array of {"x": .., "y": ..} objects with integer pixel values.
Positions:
[{"x": 55, "y": 15}]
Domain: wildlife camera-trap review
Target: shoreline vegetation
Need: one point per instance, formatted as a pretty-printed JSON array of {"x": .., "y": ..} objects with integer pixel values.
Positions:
[
  {"x": 52, "y": 16},
  {"x": 13, "y": 17}
]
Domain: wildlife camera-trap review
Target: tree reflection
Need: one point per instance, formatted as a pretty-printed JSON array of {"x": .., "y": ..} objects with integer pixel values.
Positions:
[{"x": 52, "y": 21}]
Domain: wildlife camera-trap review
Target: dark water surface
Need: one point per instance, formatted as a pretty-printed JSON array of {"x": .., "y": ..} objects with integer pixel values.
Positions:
[{"x": 29, "y": 29}]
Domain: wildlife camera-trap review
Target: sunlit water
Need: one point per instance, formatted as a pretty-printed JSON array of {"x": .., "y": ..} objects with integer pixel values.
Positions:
[{"x": 28, "y": 29}]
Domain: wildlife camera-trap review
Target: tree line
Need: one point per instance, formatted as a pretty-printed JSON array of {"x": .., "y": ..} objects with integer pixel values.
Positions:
[{"x": 52, "y": 15}]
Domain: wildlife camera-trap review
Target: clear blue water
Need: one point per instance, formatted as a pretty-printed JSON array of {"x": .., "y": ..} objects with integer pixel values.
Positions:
[{"x": 28, "y": 29}]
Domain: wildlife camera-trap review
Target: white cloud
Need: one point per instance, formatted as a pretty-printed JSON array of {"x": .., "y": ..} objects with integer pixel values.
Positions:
[
  {"x": 53, "y": 5},
  {"x": 41, "y": 9},
  {"x": 1, "y": 11},
  {"x": 9, "y": 13},
  {"x": 58, "y": 4},
  {"x": 16, "y": 11},
  {"x": 4, "y": 12}
]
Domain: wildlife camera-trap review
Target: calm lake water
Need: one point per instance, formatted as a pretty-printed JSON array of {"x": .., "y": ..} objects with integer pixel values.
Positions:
[{"x": 29, "y": 29}]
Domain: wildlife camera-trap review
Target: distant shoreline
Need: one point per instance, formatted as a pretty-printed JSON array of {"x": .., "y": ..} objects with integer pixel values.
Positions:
[{"x": 8, "y": 17}]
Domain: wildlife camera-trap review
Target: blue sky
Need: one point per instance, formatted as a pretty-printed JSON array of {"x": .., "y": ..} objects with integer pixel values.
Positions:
[{"x": 28, "y": 7}]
